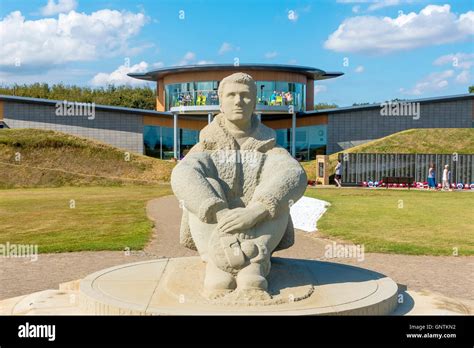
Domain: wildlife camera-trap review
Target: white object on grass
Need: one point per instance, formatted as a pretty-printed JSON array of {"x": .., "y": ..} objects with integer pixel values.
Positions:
[{"x": 306, "y": 212}]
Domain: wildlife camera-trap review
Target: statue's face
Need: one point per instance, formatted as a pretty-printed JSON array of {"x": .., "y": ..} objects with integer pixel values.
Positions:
[{"x": 238, "y": 102}]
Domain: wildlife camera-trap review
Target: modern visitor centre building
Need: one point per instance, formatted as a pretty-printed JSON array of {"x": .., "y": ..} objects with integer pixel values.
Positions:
[
  {"x": 187, "y": 100},
  {"x": 190, "y": 94}
]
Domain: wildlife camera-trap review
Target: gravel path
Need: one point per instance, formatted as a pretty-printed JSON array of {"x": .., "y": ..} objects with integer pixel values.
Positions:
[{"x": 447, "y": 275}]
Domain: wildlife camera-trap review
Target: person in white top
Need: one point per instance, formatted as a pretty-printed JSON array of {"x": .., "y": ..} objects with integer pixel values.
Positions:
[
  {"x": 338, "y": 177},
  {"x": 446, "y": 177}
]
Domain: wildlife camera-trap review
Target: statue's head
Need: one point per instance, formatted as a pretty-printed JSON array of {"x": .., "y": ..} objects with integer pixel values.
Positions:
[{"x": 237, "y": 97}]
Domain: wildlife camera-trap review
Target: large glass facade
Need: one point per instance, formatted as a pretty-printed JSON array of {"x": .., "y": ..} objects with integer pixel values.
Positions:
[
  {"x": 309, "y": 141},
  {"x": 282, "y": 93},
  {"x": 158, "y": 141},
  {"x": 191, "y": 93},
  {"x": 271, "y": 93}
]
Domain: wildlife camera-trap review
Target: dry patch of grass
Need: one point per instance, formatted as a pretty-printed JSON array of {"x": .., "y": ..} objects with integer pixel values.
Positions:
[{"x": 52, "y": 159}]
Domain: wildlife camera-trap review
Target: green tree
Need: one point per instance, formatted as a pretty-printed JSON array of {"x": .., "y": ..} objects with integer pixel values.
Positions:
[
  {"x": 322, "y": 106},
  {"x": 471, "y": 89},
  {"x": 125, "y": 96}
]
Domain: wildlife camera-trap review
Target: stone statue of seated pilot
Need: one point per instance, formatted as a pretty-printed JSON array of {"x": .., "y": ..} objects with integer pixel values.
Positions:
[{"x": 236, "y": 187}]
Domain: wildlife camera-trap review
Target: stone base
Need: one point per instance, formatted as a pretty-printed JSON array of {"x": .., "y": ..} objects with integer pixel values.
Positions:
[{"x": 297, "y": 287}]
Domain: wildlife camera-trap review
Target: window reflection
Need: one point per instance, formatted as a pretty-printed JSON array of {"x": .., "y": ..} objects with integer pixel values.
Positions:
[
  {"x": 309, "y": 141},
  {"x": 158, "y": 141}
]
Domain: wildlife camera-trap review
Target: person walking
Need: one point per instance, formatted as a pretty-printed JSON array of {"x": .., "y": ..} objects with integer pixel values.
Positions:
[
  {"x": 446, "y": 177},
  {"x": 432, "y": 177},
  {"x": 338, "y": 177}
]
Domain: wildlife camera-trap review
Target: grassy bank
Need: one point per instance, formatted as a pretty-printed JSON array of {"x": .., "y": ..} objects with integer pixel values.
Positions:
[
  {"x": 40, "y": 158},
  {"x": 436, "y": 140}
]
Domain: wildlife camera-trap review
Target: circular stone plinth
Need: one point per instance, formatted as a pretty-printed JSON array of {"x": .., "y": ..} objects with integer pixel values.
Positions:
[{"x": 297, "y": 287}]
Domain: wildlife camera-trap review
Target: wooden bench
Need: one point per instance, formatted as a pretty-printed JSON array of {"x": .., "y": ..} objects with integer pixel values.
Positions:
[{"x": 398, "y": 180}]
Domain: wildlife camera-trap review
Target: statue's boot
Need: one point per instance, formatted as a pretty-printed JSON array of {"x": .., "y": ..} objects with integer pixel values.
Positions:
[
  {"x": 251, "y": 284},
  {"x": 252, "y": 278},
  {"x": 217, "y": 282}
]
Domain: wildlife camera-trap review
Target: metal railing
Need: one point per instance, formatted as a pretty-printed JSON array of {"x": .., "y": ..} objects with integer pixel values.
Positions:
[{"x": 210, "y": 97}]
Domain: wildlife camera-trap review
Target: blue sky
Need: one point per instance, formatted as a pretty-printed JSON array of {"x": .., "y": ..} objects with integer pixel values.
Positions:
[{"x": 386, "y": 48}]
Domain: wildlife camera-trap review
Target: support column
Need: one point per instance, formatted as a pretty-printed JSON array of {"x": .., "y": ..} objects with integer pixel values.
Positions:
[
  {"x": 209, "y": 117},
  {"x": 175, "y": 136},
  {"x": 160, "y": 95},
  {"x": 309, "y": 95},
  {"x": 259, "y": 116},
  {"x": 293, "y": 134}
]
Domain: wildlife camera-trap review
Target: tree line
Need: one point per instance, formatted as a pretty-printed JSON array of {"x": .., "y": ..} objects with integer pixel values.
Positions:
[{"x": 125, "y": 96}]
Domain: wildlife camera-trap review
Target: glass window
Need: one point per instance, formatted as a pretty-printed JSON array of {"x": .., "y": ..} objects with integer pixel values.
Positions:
[
  {"x": 187, "y": 139},
  {"x": 281, "y": 93},
  {"x": 191, "y": 93},
  {"x": 167, "y": 139},
  {"x": 151, "y": 140},
  {"x": 158, "y": 141},
  {"x": 283, "y": 138},
  {"x": 277, "y": 93},
  {"x": 310, "y": 141}
]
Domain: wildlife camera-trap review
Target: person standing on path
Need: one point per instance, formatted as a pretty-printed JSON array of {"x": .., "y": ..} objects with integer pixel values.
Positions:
[
  {"x": 338, "y": 177},
  {"x": 446, "y": 177},
  {"x": 432, "y": 177}
]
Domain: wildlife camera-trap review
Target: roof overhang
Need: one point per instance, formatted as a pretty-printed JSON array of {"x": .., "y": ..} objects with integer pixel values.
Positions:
[{"x": 312, "y": 73}]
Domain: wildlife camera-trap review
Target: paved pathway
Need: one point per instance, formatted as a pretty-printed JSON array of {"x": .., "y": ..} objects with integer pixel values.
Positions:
[{"x": 449, "y": 276}]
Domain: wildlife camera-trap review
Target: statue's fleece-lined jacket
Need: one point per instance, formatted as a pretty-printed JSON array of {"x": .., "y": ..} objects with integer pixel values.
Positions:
[{"x": 219, "y": 173}]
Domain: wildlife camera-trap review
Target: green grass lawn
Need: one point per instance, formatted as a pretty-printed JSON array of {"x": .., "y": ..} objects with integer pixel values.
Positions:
[
  {"x": 429, "y": 223},
  {"x": 113, "y": 218},
  {"x": 105, "y": 218}
]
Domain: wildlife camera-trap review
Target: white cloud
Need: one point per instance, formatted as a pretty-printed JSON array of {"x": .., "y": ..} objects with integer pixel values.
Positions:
[
  {"x": 62, "y": 6},
  {"x": 458, "y": 60},
  {"x": 461, "y": 61},
  {"x": 271, "y": 55},
  {"x": 227, "y": 47},
  {"x": 382, "y": 35},
  {"x": 158, "y": 65},
  {"x": 433, "y": 82},
  {"x": 204, "y": 62},
  {"x": 384, "y": 3},
  {"x": 119, "y": 75},
  {"x": 374, "y": 4},
  {"x": 359, "y": 69},
  {"x": 71, "y": 37},
  {"x": 189, "y": 58},
  {"x": 319, "y": 89},
  {"x": 463, "y": 77}
]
